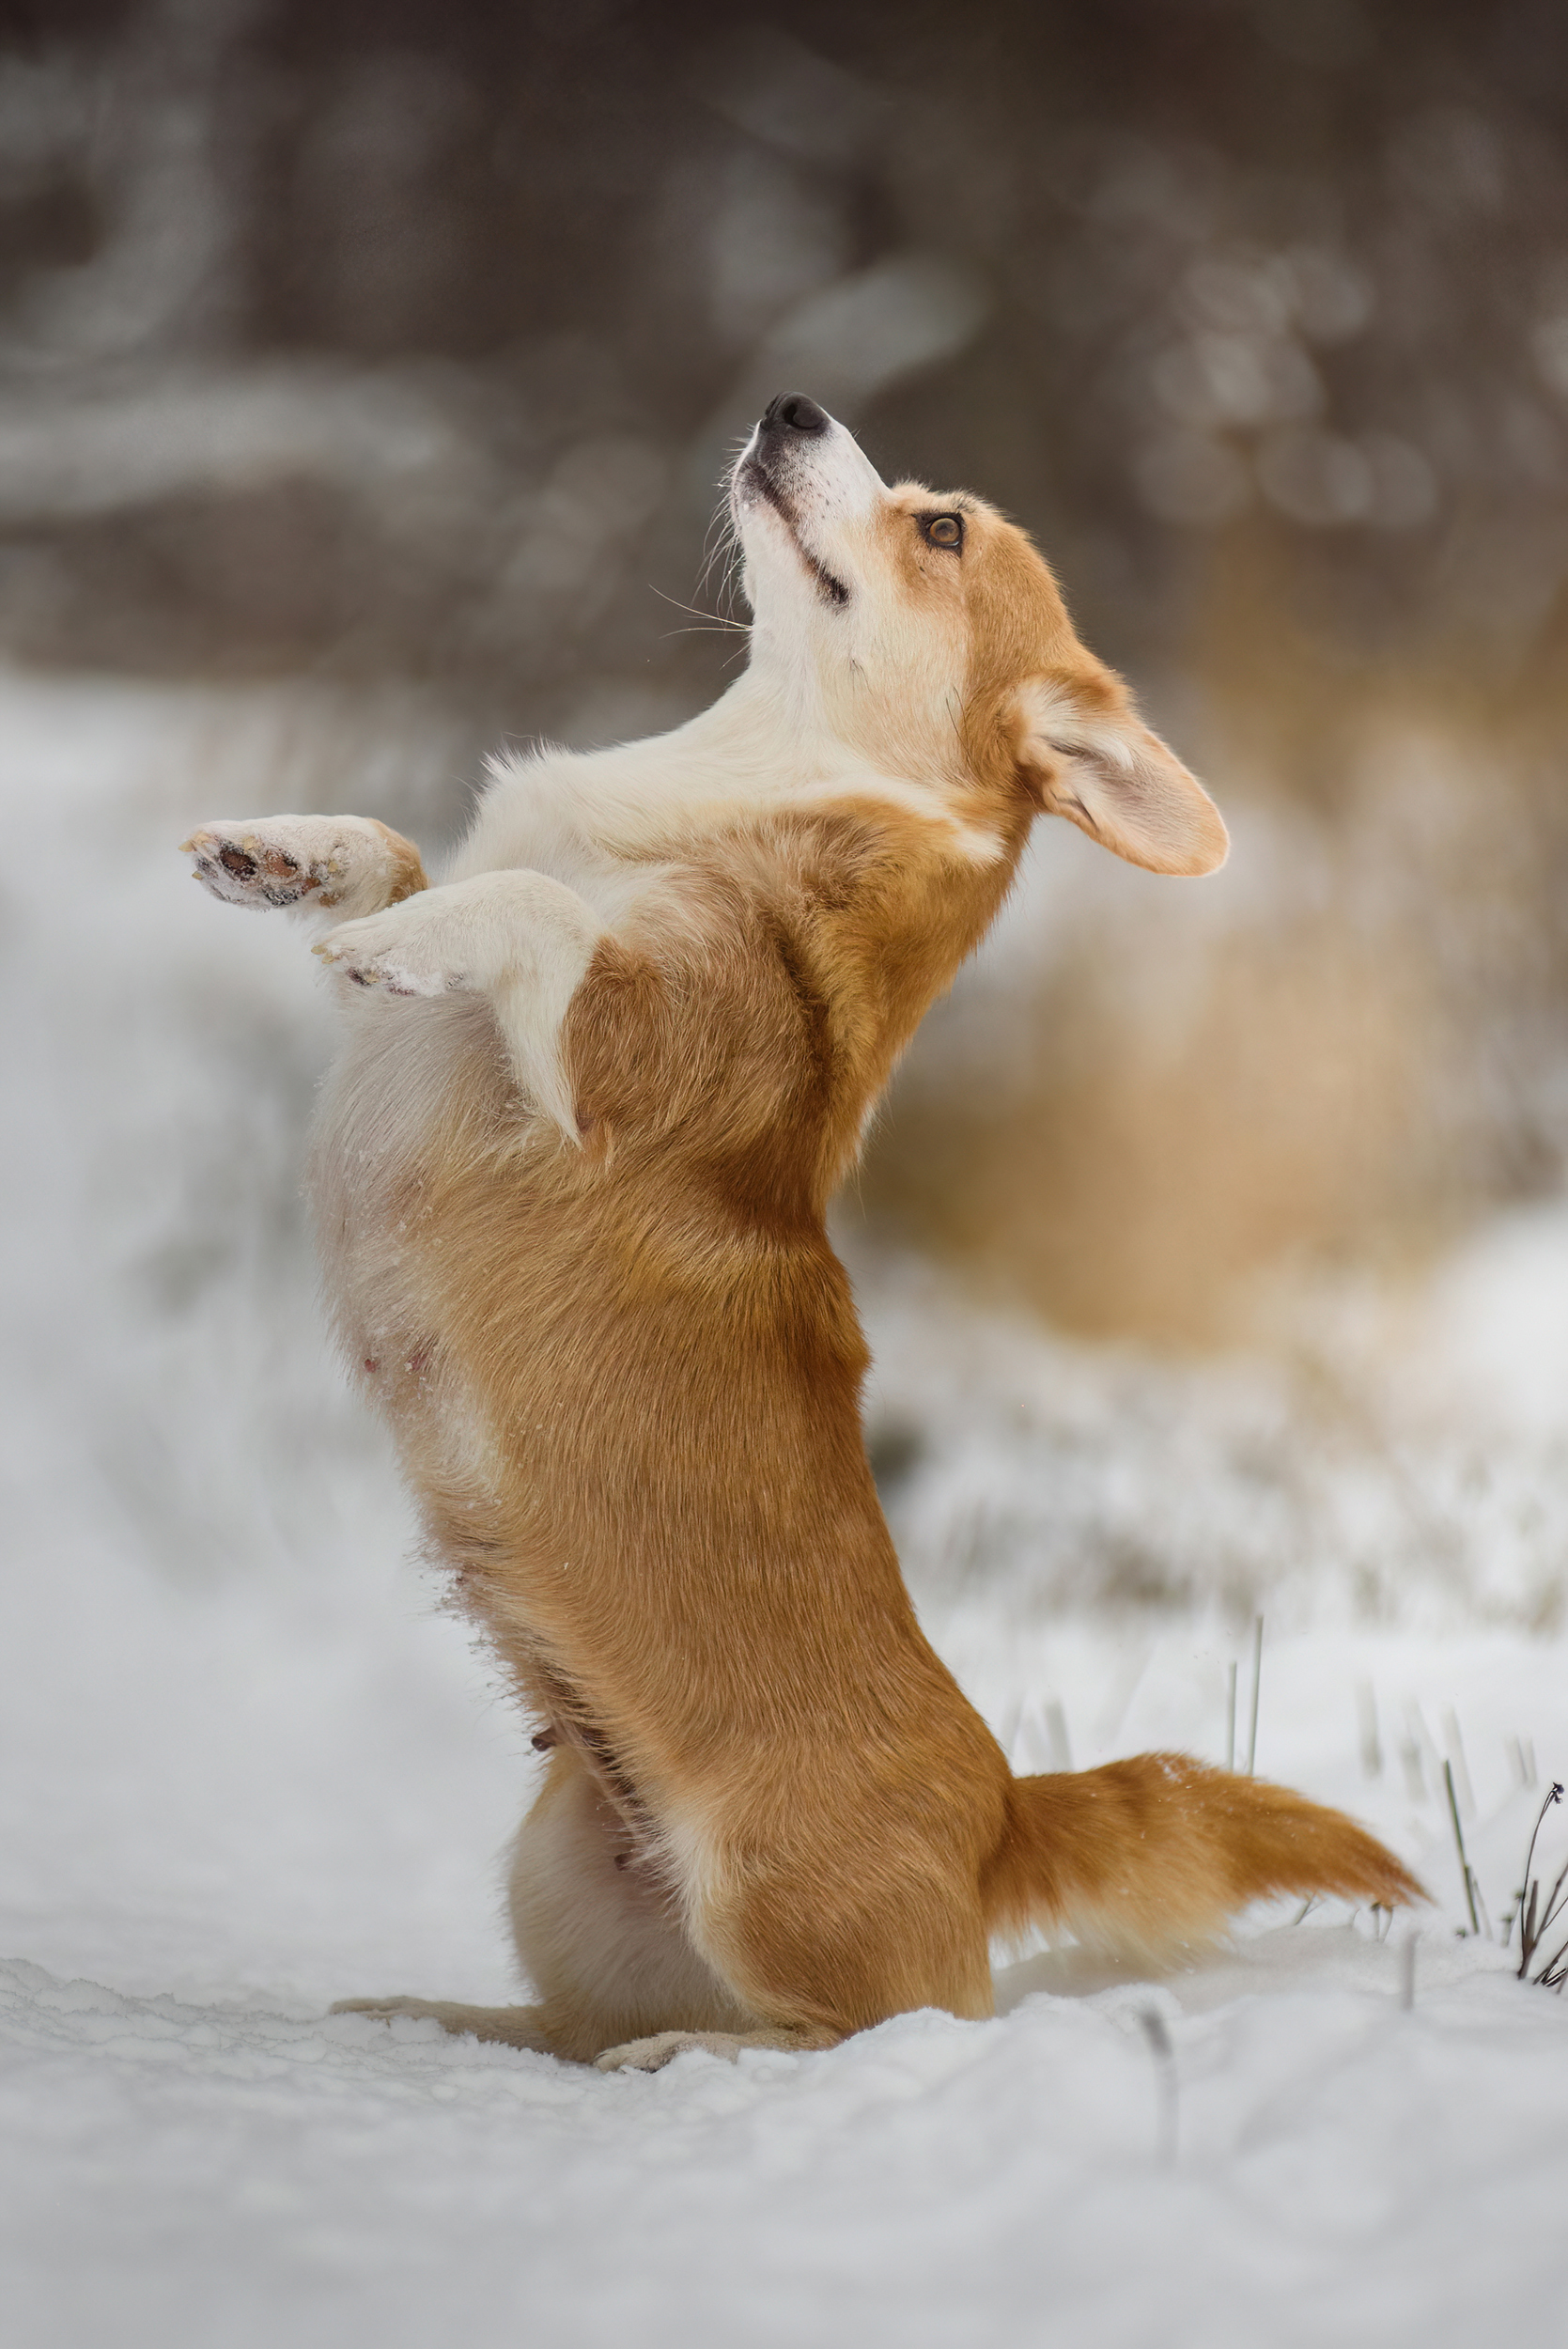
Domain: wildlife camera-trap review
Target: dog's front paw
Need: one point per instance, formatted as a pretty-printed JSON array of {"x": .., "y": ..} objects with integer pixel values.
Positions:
[
  {"x": 350, "y": 862},
  {"x": 409, "y": 950},
  {"x": 263, "y": 862}
]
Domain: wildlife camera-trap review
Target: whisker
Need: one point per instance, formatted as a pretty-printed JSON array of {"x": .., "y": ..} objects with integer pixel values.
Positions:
[
  {"x": 709, "y": 619},
  {"x": 722, "y": 548},
  {"x": 719, "y": 538}
]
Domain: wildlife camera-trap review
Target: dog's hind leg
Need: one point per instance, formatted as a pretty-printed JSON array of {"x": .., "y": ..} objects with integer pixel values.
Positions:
[
  {"x": 512, "y": 2026},
  {"x": 824, "y": 1924},
  {"x": 599, "y": 1931},
  {"x": 347, "y": 865},
  {"x": 601, "y": 1938}
]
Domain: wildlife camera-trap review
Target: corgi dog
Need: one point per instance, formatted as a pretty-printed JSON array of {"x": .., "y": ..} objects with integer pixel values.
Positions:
[{"x": 597, "y": 1085}]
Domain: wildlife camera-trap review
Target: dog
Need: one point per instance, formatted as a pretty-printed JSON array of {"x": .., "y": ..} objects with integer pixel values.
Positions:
[{"x": 569, "y": 1173}]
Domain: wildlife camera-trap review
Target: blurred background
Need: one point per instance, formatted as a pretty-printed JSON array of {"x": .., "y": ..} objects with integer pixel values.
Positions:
[{"x": 366, "y": 378}]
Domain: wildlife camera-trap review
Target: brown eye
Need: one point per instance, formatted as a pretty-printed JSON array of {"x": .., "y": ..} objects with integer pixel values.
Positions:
[{"x": 942, "y": 530}]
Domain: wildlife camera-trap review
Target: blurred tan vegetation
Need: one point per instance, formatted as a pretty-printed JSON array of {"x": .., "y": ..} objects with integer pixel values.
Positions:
[{"x": 397, "y": 349}]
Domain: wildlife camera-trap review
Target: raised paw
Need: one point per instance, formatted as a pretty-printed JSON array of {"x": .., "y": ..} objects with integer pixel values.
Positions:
[
  {"x": 413, "y": 949},
  {"x": 352, "y": 863},
  {"x": 253, "y": 864}
]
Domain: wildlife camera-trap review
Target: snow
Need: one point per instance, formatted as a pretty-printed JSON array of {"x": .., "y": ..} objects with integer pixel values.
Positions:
[
  {"x": 247, "y": 1765},
  {"x": 232, "y": 2173}
]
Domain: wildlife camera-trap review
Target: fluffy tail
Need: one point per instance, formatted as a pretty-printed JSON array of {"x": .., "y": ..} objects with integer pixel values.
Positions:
[{"x": 1148, "y": 1859}]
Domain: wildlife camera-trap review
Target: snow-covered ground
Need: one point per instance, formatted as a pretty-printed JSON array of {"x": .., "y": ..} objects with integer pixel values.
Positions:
[{"x": 247, "y": 1767}]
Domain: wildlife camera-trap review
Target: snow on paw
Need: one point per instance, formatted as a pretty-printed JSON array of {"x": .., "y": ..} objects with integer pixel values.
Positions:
[
  {"x": 260, "y": 864},
  {"x": 352, "y": 863},
  {"x": 409, "y": 950}
]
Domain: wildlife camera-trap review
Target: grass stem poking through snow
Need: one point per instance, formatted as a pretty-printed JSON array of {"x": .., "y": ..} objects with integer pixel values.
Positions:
[
  {"x": 1459, "y": 1843},
  {"x": 1164, "y": 2057},
  {"x": 1534, "y": 1921},
  {"x": 1257, "y": 1682},
  {"x": 1432, "y": 1759},
  {"x": 1407, "y": 1973},
  {"x": 1555, "y": 1972},
  {"x": 1230, "y": 1715},
  {"x": 1461, "y": 1767}
]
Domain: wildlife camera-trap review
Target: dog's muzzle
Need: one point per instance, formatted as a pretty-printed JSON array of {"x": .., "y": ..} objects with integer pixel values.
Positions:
[{"x": 784, "y": 432}]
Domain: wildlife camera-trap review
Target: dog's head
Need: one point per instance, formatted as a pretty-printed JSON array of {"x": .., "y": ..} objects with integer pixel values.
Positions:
[{"x": 925, "y": 632}]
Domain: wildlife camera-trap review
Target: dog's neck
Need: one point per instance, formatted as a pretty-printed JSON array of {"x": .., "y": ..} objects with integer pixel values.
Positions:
[{"x": 763, "y": 748}]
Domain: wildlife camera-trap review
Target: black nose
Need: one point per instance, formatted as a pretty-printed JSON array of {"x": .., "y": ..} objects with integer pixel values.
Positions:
[{"x": 792, "y": 411}]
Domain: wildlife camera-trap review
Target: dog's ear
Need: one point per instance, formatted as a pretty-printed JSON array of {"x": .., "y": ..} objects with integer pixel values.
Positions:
[{"x": 1084, "y": 752}]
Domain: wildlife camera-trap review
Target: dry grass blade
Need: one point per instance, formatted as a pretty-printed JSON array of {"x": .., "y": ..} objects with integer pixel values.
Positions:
[
  {"x": 1459, "y": 1845},
  {"x": 1532, "y": 1924},
  {"x": 1554, "y": 1972},
  {"x": 1230, "y": 1716}
]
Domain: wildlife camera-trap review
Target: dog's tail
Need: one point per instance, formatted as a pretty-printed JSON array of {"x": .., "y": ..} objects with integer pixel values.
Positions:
[{"x": 1148, "y": 1859}]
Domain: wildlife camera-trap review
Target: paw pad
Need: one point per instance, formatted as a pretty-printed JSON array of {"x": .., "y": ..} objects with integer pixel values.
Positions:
[{"x": 249, "y": 869}]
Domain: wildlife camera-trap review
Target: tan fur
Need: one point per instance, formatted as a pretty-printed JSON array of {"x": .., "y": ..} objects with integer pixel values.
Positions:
[{"x": 581, "y": 1263}]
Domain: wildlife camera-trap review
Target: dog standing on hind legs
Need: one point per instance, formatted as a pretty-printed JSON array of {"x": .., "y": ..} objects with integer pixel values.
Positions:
[{"x": 570, "y": 1174}]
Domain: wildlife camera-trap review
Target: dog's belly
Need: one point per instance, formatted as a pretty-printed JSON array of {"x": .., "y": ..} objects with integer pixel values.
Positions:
[{"x": 418, "y": 1083}]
